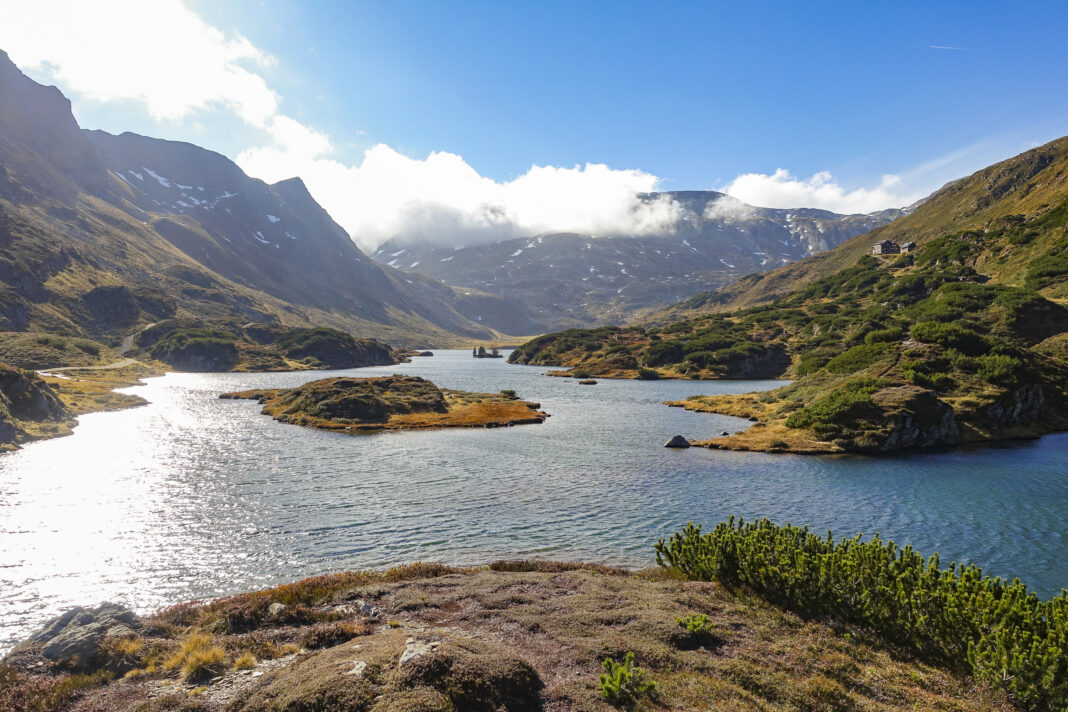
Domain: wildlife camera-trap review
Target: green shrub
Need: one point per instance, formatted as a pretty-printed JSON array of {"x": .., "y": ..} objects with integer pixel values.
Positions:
[
  {"x": 884, "y": 336},
  {"x": 624, "y": 684},
  {"x": 662, "y": 353},
  {"x": 1004, "y": 371},
  {"x": 998, "y": 630},
  {"x": 951, "y": 336},
  {"x": 648, "y": 374},
  {"x": 90, "y": 347},
  {"x": 845, "y": 403},
  {"x": 697, "y": 630},
  {"x": 54, "y": 342},
  {"x": 857, "y": 358}
]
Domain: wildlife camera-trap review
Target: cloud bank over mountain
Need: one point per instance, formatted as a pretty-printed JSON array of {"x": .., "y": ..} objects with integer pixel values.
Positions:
[
  {"x": 782, "y": 189},
  {"x": 165, "y": 58}
]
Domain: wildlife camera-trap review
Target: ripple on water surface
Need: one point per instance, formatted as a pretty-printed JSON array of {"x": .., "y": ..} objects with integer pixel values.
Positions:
[{"x": 192, "y": 496}]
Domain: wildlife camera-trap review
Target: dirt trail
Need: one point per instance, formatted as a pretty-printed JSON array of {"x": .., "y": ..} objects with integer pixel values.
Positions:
[{"x": 118, "y": 364}]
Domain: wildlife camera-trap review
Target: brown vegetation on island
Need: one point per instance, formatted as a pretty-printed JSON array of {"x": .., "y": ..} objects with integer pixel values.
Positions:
[{"x": 354, "y": 405}]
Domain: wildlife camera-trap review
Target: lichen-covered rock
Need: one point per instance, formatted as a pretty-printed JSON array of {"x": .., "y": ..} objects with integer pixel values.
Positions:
[
  {"x": 1021, "y": 406},
  {"x": 74, "y": 637}
]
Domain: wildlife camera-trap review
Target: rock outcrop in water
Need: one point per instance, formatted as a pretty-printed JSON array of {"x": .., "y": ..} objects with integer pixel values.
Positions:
[{"x": 389, "y": 403}]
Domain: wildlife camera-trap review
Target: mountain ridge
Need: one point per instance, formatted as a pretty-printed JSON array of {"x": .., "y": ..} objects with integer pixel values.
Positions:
[
  {"x": 103, "y": 234},
  {"x": 571, "y": 279}
]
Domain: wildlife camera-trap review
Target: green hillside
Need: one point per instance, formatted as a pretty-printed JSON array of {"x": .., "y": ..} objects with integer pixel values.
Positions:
[{"x": 962, "y": 340}]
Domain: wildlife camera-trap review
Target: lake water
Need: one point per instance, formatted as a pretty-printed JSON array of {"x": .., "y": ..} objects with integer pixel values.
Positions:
[{"x": 193, "y": 496}]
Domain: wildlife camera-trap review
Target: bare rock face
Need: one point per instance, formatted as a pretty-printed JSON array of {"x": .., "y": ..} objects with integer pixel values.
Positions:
[
  {"x": 1020, "y": 407},
  {"x": 677, "y": 441},
  {"x": 915, "y": 418},
  {"x": 74, "y": 638},
  {"x": 26, "y": 400}
]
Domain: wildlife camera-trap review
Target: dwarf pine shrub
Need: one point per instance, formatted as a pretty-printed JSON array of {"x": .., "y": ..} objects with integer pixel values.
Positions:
[
  {"x": 999, "y": 631},
  {"x": 624, "y": 684}
]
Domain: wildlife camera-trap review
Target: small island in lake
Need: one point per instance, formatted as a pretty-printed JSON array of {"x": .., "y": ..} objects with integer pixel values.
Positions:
[
  {"x": 481, "y": 352},
  {"x": 395, "y": 402}
]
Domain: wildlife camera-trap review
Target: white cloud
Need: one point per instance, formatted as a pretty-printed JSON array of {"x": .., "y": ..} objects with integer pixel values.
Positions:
[
  {"x": 441, "y": 199},
  {"x": 728, "y": 209},
  {"x": 158, "y": 53},
  {"x": 782, "y": 189}
]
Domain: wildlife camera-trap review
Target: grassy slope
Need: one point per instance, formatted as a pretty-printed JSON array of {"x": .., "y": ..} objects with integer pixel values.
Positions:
[
  {"x": 514, "y": 636},
  {"x": 36, "y": 351},
  {"x": 114, "y": 249}
]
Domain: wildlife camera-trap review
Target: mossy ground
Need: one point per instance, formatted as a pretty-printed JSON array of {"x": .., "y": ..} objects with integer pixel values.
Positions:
[{"x": 511, "y": 636}]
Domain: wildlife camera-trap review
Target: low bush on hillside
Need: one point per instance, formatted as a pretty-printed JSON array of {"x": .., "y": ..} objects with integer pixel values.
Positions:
[
  {"x": 849, "y": 402},
  {"x": 999, "y": 631}
]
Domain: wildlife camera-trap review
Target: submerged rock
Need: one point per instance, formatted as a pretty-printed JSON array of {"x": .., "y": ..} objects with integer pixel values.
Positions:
[{"x": 677, "y": 441}]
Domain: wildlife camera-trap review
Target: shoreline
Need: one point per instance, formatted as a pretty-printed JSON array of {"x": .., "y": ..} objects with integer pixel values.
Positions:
[{"x": 772, "y": 436}]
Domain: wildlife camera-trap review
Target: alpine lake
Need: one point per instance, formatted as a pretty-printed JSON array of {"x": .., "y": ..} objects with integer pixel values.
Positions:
[{"x": 193, "y": 497}]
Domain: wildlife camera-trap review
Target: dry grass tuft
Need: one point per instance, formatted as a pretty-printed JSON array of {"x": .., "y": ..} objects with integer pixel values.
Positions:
[{"x": 197, "y": 658}]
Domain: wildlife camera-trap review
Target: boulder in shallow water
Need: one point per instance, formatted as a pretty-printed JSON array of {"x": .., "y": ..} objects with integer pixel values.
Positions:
[{"x": 677, "y": 441}]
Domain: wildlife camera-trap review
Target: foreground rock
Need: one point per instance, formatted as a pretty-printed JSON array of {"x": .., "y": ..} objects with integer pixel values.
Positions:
[
  {"x": 78, "y": 638},
  {"x": 390, "y": 403},
  {"x": 511, "y": 637},
  {"x": 677, "y": 442}
]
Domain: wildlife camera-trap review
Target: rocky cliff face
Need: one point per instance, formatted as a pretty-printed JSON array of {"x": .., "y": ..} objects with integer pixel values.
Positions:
[
  {"x": 29, "y": 408},
  {"x": 913, "y": 417}
]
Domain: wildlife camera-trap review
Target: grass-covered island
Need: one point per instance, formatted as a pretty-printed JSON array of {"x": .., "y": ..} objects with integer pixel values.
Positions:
[
  {"x": 354, "y": 405},
  {"x": 751, "y": 616}
]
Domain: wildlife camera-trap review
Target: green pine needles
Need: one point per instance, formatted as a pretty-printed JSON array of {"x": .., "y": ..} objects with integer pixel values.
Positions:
[
  {"x": 624, "y": 684},
  {"x": 999, "y": 631}
]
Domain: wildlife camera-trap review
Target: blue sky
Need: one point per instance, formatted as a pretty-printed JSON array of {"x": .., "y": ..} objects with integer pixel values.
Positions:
[{"x": 834, "y": 96}]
